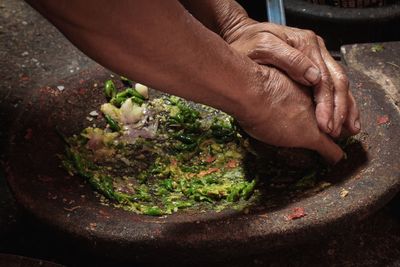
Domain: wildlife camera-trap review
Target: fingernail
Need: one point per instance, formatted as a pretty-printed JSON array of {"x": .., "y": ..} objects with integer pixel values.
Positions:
[
  {"x": 330, "y": 125},
  {"x": 312, "y": 75},
  {"x": 357, "y": 125}
]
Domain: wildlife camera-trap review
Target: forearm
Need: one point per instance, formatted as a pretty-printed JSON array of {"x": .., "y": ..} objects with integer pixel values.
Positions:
[
  {"x": 220, "y": 16},
  {"x": 159, "y": 44}
]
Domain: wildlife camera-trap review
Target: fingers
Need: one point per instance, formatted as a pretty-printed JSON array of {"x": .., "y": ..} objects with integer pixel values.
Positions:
[
  {"x": 324, "y": 103},
  {"x": 352, "y": 122},
  {"x": 323, "y": 91},
  {"x": 341, "y": 96},
  {"x": 346, "y": 112},
  {"x": 330, "y": 151},
  {"x": 288, "y": 59}
]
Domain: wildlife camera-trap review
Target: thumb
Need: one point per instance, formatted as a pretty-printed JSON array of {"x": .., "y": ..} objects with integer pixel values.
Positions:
[
  {"x": 330, "y": 151},
  {"x": 290, "y": 60}
]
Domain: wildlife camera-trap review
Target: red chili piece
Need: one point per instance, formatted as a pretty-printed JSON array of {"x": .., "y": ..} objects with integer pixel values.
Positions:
[
  {"x": 382, "y": 119},
  {"x": 297, "y": 213}
]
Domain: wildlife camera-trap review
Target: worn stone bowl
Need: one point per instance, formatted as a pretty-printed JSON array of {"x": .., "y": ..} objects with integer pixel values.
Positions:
[{"x": 358, "y": 186}]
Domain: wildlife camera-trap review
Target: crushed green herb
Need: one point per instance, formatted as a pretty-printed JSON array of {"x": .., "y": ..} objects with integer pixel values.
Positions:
[
  {"x": 377, "y": 48},
  {"x": 157, "y": 156}
]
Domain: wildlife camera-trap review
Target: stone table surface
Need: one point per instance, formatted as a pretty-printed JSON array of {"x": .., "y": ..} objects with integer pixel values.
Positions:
[{"x": 34, "y": 54}]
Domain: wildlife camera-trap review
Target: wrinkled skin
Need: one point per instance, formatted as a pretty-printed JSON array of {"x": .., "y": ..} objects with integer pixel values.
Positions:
[
  {"x": 177, "y": 54},
  {"x": 304, "y": 57},
  {"x": 287, "y": 111}
]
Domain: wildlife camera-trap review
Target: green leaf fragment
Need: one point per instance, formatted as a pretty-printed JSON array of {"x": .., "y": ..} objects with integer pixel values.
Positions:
[
  {"x": 118, "y": 99},
  {"x": 377, "y": 48},
  {"x": 153, "y": 211},
  {"x": 126, "y": 81},
  {"x": 114, "y": 126},
  {"x": 109, "y": 89},
  {"x": 308, "y": 180}
]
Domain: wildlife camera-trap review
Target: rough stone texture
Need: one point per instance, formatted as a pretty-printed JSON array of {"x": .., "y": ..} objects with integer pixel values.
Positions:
[
  {"x": 375, "y": 242},
  {"x": 380, "y": 62},
  {"x": 371, "y": 176},
  {"x": 32, "y": 52}
]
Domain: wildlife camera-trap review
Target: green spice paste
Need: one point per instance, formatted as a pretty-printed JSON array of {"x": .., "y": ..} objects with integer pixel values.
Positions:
[{"x": 158, "y": 156}]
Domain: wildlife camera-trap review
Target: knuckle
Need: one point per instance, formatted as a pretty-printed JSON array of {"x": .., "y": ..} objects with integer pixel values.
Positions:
[
  {"x": 323, "y": 98},
  {"x": 326, "y": 84},
  {"x": 265, "y": 38},
  {"x": 344, "y": 81},
  {"x": 292, "y": 40},
  {"x": 276, "y": 85},
  {"x": 325, "y": 74},
  {"x": 295, "y": 58},
  {"x": 266, "y": 73},
  {"x": 273, "y": 75},
  {"x": 320, "y": 40},
  {"x": 309, "y": 33},
  {"x": 264, "y": 47}
]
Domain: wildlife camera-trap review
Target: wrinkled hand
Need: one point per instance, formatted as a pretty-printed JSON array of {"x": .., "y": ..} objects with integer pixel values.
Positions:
[
  {"x": 282, "y": 114},
  {"x": 304, "y": 57}
]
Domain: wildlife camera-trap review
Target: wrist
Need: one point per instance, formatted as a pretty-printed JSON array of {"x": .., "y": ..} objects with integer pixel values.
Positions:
[
  {"x": 251, "y": 96},
  {"x": 230, "y": 17},
  {"x": 234, "y": 25}
]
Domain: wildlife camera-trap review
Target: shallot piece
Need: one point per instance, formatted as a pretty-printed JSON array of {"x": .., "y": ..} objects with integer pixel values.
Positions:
[
  {"x": 130, "y": 112},
  {"x": 142, "y": 89}
]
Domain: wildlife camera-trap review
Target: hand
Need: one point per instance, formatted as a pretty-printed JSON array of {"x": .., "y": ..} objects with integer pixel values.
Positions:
[
  {"x": 281, "y": 113},
  {"x": 304, "y": 57}
]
